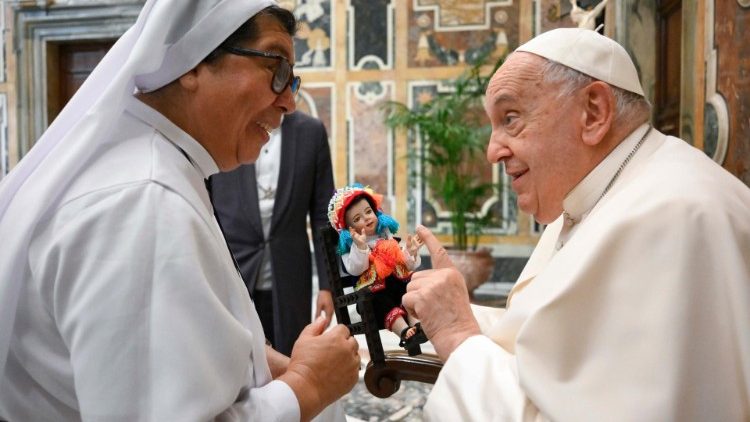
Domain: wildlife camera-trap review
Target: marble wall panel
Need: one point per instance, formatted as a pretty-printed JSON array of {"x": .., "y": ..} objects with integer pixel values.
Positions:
[
  {"x": 370, "y": 34},
  {"x": 452, "y": 32},
  {"x": 314, "y": 43},
  {"x": 460, "y": 14},
  {"x": 318, "y": 100},
  {"x": 370, "y": 155}
]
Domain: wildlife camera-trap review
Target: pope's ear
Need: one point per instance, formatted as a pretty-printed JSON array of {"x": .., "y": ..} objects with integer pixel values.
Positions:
[{"x": 599, "y": 112}]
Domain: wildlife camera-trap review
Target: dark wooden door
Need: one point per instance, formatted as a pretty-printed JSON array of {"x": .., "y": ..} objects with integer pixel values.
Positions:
[
  {"x": 668, "y": 66},
  {"x": 70, "y": 65}
]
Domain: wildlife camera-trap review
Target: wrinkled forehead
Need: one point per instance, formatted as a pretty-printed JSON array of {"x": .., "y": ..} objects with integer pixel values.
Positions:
[
  {"x": 518, "y": 77},
  {"x": 520, "y": 65}
]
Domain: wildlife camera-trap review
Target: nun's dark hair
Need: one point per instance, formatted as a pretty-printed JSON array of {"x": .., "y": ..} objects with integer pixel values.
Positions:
[{"x": 250, "y": 30}]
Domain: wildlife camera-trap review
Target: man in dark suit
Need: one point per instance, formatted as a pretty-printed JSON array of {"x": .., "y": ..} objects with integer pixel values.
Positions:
[{"x": 263, "y": 210}]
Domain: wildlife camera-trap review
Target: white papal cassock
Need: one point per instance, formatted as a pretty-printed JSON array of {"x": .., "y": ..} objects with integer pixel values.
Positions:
[{"x": 637, "y": 309}]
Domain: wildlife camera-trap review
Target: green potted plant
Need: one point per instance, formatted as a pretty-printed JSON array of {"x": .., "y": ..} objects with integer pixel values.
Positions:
[{"x": 454, "y": 133}]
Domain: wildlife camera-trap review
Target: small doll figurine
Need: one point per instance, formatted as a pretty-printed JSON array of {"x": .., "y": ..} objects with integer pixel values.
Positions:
[{"x": 369, "y": 251}]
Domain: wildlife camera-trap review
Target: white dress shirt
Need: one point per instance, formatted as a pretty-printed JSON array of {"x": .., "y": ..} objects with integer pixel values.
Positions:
[{"x": 267, "y": 178}]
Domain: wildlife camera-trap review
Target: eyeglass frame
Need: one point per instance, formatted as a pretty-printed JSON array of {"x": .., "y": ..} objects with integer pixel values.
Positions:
[{"x": 293, "y": 82}]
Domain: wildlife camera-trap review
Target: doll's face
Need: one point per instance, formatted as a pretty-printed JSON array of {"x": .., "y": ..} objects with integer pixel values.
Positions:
[{"x": 360, "y": 215}]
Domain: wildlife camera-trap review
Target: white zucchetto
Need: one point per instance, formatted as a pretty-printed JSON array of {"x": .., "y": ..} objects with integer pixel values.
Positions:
[{"x": 588, "y": 52}]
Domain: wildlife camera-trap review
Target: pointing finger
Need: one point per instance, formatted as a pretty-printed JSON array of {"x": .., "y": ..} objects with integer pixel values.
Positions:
[{"x": 438, "y": 255}]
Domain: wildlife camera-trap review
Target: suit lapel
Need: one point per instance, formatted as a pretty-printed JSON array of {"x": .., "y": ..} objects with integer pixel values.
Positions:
[
  {"x": 248, "y": 183},
  {"x": 286, "y": 170}
]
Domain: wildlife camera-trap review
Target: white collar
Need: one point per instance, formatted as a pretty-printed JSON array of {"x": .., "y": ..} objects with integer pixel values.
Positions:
[
  {"x": 582, "y": 199},
  {"x": 197, "y": 154},
  {"x": 269, "y": 160}
]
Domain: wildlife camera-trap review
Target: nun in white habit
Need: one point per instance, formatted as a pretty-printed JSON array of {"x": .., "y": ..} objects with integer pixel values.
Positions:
[{"x": 119, "y": 299}]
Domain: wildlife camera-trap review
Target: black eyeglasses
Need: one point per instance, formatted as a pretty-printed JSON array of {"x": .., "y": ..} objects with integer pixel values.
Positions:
[{"x": 283, "y": 76}]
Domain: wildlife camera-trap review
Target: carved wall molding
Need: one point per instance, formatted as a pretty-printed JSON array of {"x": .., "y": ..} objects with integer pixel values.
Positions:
[
  {"x": 4, "y": 157},
  {"x": 3, "y": 69},
  {"x": 38, "y": 27},
  {"x": 716, "y": 115}
]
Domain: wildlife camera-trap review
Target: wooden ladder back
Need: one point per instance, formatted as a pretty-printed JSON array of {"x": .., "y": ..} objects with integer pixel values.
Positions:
[
  {"x": 385, "y": 370},
  {"x": 363, "y": 298}
]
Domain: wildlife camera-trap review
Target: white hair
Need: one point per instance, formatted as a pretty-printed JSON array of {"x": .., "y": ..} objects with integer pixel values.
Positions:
[{"x": 628, "y": 105}]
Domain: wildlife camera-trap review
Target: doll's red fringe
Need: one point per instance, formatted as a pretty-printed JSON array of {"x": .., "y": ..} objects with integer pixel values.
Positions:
[{"x": 386, "y": 255}]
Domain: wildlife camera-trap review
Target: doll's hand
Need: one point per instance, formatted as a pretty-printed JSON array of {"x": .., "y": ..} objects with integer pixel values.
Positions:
[
  {"x": 360, "y": 239},
  {"x": 413, "y": 243}
]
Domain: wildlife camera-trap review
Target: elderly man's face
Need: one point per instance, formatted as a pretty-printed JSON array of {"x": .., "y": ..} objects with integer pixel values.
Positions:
[
  {"x": 235, "y": 105},
  {"x": 535, "y": 134}
]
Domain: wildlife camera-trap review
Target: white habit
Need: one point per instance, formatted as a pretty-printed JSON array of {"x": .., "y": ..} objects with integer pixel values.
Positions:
[
  {"x": 133, "y": 309},
  {"x": 118, "y": 297}
]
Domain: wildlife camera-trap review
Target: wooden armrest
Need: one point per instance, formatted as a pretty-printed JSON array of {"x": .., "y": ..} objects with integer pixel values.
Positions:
[{"x": 383, "y": 379}]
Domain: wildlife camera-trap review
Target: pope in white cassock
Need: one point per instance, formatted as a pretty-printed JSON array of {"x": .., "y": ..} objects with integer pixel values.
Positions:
[
  {"x": 119, "y": 299},
  {"x": 635, "y": 304}
]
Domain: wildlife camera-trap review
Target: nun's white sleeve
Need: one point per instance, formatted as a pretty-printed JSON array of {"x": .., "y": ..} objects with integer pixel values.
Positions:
[{"x": 158, "y": 324}]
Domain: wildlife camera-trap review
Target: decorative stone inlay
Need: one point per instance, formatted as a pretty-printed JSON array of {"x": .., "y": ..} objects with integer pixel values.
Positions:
[
  {"x": 314, "y": 43},
  {"x": 371, "y": 144},
  {"x": 460, "y": 14},
  {"x": 370, "y": 33}
]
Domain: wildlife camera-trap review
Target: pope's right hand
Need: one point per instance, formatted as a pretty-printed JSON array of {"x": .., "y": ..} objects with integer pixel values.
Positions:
[{"x": 440, "y": 300}]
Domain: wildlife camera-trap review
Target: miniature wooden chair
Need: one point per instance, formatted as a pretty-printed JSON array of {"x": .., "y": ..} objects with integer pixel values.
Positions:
[{"x": 386, "y": 369}]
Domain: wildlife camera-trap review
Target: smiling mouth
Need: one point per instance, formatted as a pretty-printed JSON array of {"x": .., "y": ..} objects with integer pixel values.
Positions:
[{"x": 265, "y": 126}]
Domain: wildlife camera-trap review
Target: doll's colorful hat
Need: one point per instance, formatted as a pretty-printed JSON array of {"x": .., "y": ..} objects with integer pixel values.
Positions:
[{"x": 343, "y": 197}]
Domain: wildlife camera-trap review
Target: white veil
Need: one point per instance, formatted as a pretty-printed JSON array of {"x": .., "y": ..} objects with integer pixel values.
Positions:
[{"x": 169, "y": 38}]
